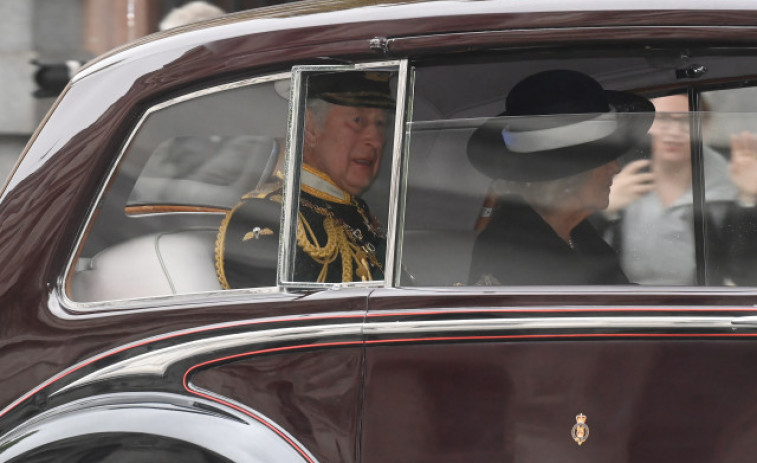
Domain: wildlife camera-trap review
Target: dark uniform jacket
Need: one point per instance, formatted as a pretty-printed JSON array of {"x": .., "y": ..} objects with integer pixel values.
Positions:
[
  {"x": 337, "y": 237},
  {"x": 519, "y": 248}
]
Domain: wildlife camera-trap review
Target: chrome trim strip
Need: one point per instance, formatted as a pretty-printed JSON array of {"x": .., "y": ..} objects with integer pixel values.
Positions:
[
  {"x": 157, "y": 362},
  {"x": 545, "y": 310},
  {"x": 79, "y": 306},
  {"x": 291, "y": 177},
  {"x": 398, "y": 231},
  {"x": 251, "y": 323},
  {"x": 69, "y": 310},
  {"x": 211, "y": 90},
  {"x": 395, "y": 190},
  {"x": 749, "y": 321},
  {"x": 256, "y": 414},
  {"x": 466, "y": 123},
  {"x": 544, "y": 323}
]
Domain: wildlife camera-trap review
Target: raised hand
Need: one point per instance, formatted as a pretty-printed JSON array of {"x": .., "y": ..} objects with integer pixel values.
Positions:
[
  {"x": 631, "y": 183},
  {"x": 744, "y": 165}
]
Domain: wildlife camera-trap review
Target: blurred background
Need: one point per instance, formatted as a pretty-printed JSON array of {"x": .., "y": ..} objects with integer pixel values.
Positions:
[{"x": 43, "y": 41}]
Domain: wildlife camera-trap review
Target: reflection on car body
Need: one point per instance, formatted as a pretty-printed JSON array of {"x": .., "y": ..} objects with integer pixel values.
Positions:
[{"x": 119, "y": 340}]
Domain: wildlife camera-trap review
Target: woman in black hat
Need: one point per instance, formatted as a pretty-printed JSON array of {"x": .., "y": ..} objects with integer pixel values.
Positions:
[{"x": 554, "y": 153}]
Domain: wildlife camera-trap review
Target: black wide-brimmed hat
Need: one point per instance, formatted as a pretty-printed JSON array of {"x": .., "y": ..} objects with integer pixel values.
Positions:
[
  {"x": 559, "y": 123},
  {"x": 370, "y": 89}
]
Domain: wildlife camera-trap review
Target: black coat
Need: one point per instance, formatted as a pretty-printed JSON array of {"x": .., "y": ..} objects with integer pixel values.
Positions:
[{"x": 519, "y": 248}]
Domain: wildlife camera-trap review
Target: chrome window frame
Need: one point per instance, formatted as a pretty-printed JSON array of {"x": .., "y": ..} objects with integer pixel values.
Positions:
[
  {"x": 399, "y": 186},
  {"x": 69, "y": 306},
  {"x": 293, "y": 160}
]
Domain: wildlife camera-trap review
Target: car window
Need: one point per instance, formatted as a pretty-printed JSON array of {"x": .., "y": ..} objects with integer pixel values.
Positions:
[
  {"x": 729, "y": 128},
  {"x": 157, "y": 230},
  {"x": 342, "y": 167},
  {"x": 518, "y": 176}
]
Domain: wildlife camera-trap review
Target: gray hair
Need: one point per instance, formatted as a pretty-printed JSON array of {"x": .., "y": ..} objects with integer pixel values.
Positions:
[
  {"x": 319, "y": 110},
  {"x": 189, "y": 13},
  {"x": 542, "y": 194}
]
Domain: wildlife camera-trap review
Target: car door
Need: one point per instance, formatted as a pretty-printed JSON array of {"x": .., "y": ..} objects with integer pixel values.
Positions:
[{"x": 464, "y": 369}]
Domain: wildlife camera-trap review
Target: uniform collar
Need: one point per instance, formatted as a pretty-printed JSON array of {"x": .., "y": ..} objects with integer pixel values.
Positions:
[{"x": 320, "y": 185}]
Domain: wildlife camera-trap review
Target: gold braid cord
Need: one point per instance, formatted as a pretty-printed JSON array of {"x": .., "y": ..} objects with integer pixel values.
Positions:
[
  {"x": 337, "y": 244},
  {"x": 220, "y": 246},
  {"x": 266, "y": 191}
]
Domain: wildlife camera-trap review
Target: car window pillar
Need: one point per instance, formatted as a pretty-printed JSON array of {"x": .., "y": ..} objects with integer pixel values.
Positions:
[{"x": 697, "y": 186}]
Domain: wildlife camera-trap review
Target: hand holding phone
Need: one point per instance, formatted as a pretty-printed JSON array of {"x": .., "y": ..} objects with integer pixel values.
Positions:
[{"x": 631, "y": 183}]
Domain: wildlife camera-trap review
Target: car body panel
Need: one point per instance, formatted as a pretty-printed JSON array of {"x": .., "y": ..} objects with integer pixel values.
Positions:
[
  {"x": 315, "y": 395},
  {"x": 516, "y": 398},
  {"x": 506, "y": 383}
]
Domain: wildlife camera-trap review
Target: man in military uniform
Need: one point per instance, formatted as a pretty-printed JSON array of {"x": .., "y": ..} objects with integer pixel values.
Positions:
[{"x": 338, "y": 240}]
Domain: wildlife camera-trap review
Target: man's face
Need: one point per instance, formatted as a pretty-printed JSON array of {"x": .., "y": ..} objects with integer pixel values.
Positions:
[{"x": 348, "y": 147}]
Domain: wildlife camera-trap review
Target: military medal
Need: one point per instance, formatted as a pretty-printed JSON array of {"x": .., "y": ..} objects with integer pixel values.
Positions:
[
  {"x": 257, "y": 233},
  {"x": 580, "y": 431}
]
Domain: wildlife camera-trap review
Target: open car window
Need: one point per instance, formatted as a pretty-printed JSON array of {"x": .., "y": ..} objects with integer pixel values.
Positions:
[
  {"x": 341, "y": 167},
  {"x": 490, "y": 187},
  {"x": 157, "y": 228}
]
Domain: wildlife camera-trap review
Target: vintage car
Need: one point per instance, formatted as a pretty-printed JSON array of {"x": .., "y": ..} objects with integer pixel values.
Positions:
[{"x": 119, "y": 343}]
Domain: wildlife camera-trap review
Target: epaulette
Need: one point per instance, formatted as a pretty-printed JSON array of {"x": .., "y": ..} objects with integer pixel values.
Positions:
[{"x": 271, "y": 190}]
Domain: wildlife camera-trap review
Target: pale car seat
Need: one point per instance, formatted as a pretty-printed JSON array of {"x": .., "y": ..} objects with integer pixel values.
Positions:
[
  {"x": 240, "y": 163},
  {"x": 159, "y": 264},
  {"x": 217, "y": 172},
  {"x": 223, "y": 170}
]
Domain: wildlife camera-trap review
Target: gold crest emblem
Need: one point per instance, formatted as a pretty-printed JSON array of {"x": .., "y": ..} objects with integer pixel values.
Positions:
[{"x": 580, "y": 431}]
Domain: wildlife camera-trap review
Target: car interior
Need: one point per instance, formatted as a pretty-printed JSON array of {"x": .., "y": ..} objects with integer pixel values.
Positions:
[{"x": 155, "y": 234}]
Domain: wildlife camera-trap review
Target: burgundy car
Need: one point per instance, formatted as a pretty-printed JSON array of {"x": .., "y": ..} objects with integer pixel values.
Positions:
[{"x": 119, "y": 343}]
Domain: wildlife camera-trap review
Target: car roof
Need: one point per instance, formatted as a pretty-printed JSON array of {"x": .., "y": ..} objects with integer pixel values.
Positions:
[{"x": 325, "y": 13}]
